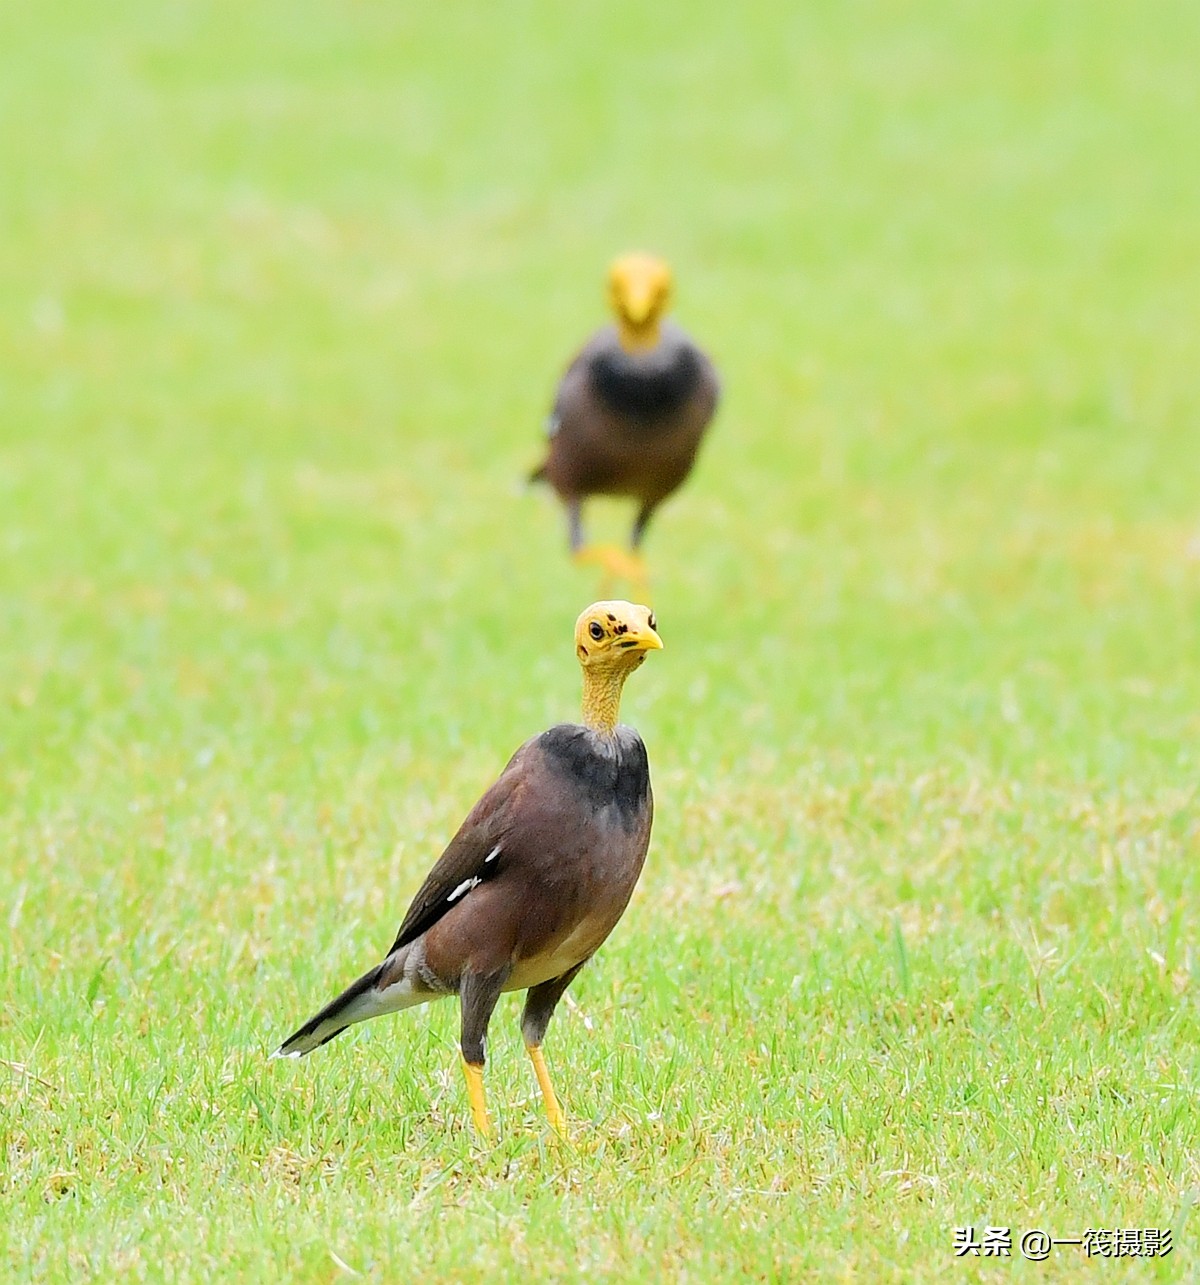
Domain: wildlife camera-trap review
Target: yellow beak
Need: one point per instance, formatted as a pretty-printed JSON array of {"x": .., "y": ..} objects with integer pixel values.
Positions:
[
  {"x": 637, "y": 304},
  {"x": 648, "y": 640}
]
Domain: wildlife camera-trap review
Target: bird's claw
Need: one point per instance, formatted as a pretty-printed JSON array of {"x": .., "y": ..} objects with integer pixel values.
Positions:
[
  {"x": 475, "y": 1095},
  {"x": 617, "y": 564}
]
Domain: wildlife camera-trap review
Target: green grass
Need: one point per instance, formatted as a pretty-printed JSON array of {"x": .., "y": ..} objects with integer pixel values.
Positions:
[{"x": 284, "y": 290}]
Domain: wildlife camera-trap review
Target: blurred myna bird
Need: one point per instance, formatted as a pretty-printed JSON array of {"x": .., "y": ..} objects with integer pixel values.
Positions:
[
  {"x": 630, "y": 411},
  {"x": 536, "y": 877}
]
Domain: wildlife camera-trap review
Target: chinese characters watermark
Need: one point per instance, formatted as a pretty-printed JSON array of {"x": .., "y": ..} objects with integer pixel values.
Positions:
[{"x": 1036, "y": 1244}]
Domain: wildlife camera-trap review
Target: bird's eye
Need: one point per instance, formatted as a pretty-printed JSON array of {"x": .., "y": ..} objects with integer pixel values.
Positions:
[
  {"x": 596, "y": 630},
  {"x": 652, "y": 622}
]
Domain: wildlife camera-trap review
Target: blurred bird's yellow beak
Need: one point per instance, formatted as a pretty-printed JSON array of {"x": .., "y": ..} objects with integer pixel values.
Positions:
[
  {"x": 640, "y": 286},
  {"x": 637, "y": 303}
]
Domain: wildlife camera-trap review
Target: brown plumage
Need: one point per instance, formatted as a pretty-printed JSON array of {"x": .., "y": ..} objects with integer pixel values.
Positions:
[
  {"x": 536, "y": 877},
  {"x": 630, "y": 411}
]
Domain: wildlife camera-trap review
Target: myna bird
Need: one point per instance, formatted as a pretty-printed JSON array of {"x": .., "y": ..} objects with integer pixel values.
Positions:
[
  {"x": 630, "y": 411},
  {"x": 536, "y": 877}
]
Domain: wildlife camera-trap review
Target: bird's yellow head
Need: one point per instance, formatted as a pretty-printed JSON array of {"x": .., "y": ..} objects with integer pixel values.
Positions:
[
  {"x": 639, "y": 289},
  {"x": 611, "y": 641},
  {"x": 615, "y": 633}
]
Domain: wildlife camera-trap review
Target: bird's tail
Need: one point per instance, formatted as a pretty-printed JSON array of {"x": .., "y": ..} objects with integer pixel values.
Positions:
[{"x": 360, "y": 1000}]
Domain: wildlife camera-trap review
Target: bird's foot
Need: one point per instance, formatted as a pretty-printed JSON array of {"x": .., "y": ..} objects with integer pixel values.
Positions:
[
  {"x": 479, "y": 1113},
  {"x": 554, "y": 1113},
  {"x": 617, "y": 564}
]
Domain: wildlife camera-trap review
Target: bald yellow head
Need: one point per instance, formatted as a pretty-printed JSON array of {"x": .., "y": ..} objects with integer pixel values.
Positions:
[
  {"x": 611, "y": 641},
  {"x": 639, "y": 290},
  {"x": 612, "y": 633}
]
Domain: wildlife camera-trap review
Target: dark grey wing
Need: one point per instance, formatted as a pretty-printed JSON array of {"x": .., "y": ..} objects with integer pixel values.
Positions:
[
  {"x": 708, "y": 393},
  {"x": 473, "y": 855},
  {"x": 571, "y": 396}
]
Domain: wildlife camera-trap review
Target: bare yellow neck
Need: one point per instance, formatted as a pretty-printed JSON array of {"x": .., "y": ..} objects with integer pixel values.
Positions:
[
  {"x": 602, "y": 696},
  {"x": 638, "y": 338}
]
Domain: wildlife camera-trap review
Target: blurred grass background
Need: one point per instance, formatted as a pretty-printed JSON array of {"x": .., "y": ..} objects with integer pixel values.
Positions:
[{"x": 285, "y": 292}]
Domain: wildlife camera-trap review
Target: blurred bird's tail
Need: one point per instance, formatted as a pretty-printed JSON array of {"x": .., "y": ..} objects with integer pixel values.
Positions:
[{"x": 361, "y": 1000}]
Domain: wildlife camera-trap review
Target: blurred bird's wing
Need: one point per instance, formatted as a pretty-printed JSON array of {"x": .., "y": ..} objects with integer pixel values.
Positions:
[{"x": 571, "y": 395}]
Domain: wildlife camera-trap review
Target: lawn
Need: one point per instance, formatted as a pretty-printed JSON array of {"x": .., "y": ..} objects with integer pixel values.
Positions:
[{"x": 284, "y": 291}]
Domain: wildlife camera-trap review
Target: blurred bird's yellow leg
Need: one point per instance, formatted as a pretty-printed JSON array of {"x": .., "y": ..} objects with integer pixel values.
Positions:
[
  {"x": 554, "y": 1113},
  {"x": 639, "y": 578},
  {"x": 479, "y": 1113},
  {"x": 615, "y": 564}
]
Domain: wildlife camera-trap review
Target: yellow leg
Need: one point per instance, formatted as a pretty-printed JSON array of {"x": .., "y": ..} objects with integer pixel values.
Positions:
[
  {"x": 617, "y": 564},
  {"x": 607, "y": 558},
  {"x": 558, "y": 1122},
  {"x": 479, "y": 1113},
  {"x": 639, "y": 579}
]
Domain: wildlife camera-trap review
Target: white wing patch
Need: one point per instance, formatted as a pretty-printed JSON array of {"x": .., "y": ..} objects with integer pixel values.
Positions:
[
  {"x": 553, "y": 424},
  {"x": 464, "y": 887},
  {"x": 467, "y": 884}
]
